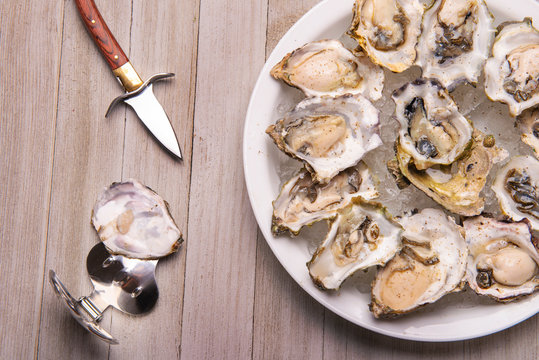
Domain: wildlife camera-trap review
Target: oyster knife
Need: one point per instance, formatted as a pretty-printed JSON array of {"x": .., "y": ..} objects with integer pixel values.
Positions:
[{"x": 139, "y": 94}]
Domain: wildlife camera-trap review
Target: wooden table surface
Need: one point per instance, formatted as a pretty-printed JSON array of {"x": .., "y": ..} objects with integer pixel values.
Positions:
[{"x": 223, "y": 295}]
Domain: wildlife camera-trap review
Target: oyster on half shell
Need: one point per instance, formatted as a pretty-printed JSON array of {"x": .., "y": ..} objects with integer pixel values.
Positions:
[
  {"x": 512, "y": 73},
  {"x": 303, "y": 202},
  {"x": 528, "y": 124},
  {"x": 326, "y": 67},
  {"x": 329, "y": 134},
  {"x": 362, "y": 235},
  {"x": 517, "y": 188},
  {"x": 432, "y": 130},
  {"x": 455, "y": 41},
  {"x": 457, "y": 187},
  {"x": 132, "y": 220},
  {"x": 387, "y": 30},
  {"x": 503, "y": 262},
  {"x": 432, "y": 263}
]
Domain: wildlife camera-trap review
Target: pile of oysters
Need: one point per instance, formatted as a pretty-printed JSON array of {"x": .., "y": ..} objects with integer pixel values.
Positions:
[{"x": 419, "y": 255}]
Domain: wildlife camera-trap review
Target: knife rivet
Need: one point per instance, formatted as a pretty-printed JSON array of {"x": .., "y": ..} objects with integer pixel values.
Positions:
[
  {"x": 115, "y": 57},
  {"x": 93, "y": 21}
]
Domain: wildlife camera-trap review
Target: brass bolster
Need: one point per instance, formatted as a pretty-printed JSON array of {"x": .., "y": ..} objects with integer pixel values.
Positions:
[{"x": 128, "y": 76}]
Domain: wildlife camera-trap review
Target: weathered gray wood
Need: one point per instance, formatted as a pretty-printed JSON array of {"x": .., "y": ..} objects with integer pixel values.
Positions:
[
  {"x": 87, "y": 157},
  {"x": 219, "y": 285},
  {"x": 30, "y": 41},
  {"x": 163, "y": 39}
]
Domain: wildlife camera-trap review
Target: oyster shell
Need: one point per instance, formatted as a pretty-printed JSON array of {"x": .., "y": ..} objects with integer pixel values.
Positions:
[
  {"x": 362, "y": 235},
  {"x": 457, "y": 187},
  {"x": 132, "y": 220},
  {"x": 455, "y": 41},
  {"x": 503, "y": 261},
  {"x": 528, "y": 124},
  {"x": 517, "y": 188},
  {"x": 512, "y": 73},
  {"x": 387, "y": 30},
  {"x": 326, "y": 67},
  {"x": 303, "y": 202},
  {"x": 431, "y": 264},
  {"x": 432, "y": 130},
  {"x": 329, "y": 134}
]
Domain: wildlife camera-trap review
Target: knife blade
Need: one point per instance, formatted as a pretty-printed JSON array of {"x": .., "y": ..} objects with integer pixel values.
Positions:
[{"x": 139, "y": 94}]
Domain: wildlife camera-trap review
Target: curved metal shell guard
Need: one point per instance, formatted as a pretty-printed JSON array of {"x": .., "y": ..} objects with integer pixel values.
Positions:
[
  {"x": 128, "y": 95},
  {"x": 127, "y": 284}
]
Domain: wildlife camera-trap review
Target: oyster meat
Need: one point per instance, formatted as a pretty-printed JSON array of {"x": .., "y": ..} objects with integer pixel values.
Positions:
[
  {"x": 517, "y": 188},
  {"x": 326, "y": 67},
  {"x": 455, "y": 41},
  {"x": 432, "y": 263},
  {"x": 132, "y": 220},
  {"x": 457, "y": 187},
  {"x": 528, "y": 124},
  {"x": 329, "y": 134},
  {"x": 432, "y": 130},
  {"x": 512, "y": 73},
  {"x": 387, "y": 30},
  {"x": 503, "y": 261},
  {"x": 362, "y": 235},
  {"x": 303, "y": 202}
]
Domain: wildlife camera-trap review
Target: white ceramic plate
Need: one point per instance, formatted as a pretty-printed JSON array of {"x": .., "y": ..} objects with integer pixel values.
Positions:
[{"x": 462, "y": 316}]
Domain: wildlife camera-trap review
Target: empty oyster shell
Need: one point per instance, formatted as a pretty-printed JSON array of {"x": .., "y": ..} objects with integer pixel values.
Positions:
[
  {"x": 303, "y": 202},
  {"x": 455, "y": 41},
  {"x": 517, "y": 188},
  {"x": 387, "y": 30},
  {"x": 431, "y": 264},
  {"x": 512, "y": 73},
  {"x": 326, "y": 67},
  {"x": 457, "y": 186},
  {"x": 503, "y": 261},
  {"x": 528, "y": 124},
  {"x": 432, "y": 130},
  {"x": 362, "y": 235},
  {"x": 132, "y": 220},
  {"x": 329, "y": 134}
]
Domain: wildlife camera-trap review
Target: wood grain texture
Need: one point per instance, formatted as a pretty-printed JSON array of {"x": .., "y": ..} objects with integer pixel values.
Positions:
[
  {"x": 219, "y": 284},
  {"x": 163, "y": 39},
  {"x": 99, "y": 31},
  {"x": 87, "y": 157},
  {"x": 30, "y": 41}
]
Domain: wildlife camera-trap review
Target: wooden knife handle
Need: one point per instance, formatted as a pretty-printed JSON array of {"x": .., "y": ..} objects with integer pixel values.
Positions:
[{"x": 101, "y": 34}]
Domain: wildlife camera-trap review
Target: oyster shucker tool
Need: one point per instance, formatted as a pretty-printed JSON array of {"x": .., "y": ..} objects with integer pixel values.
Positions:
[
  {"x": 139, "y": 94},
  {"x": 127, "y": 284}
]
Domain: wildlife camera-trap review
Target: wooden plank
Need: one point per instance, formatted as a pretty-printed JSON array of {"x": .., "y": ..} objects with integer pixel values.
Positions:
[
  {"x": 219, "y": 285},
  {"x": 30, "y": 40},
  {"x": 163, "y": 39},
  {"x": 288, "y": 323},
  {"x": 88, "y": 156}
]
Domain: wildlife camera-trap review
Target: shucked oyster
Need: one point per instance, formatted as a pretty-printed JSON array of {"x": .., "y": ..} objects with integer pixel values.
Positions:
[
  {"x": 517, "y": 188},
  {"x": 431, "y": 264},
  {"x": 303, "y": 202},
  {"x": 326, "y": 67},
  {"x": 132, "y": 220},
  {"x": 457, "y": 187},
  {"x": 455, "y": 41},
  {"x": 432, "y": 130},
  {"x": 362, "y": 235},
  {"x": 329, "y": 134},
  {"x": 528, "y": 124},
  {"x": 503, "y": 261},
  {"x": 387, "y": 30},
  {"x": 512, "y": 73}
]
